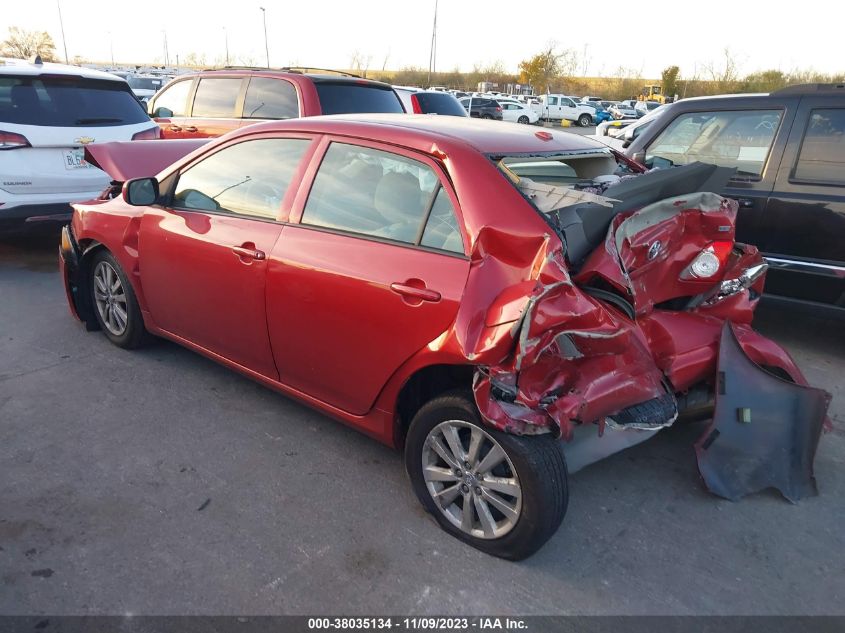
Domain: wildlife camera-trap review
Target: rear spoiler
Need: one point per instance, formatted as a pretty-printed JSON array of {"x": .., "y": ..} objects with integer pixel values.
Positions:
[{"x": 125, "y": 160}]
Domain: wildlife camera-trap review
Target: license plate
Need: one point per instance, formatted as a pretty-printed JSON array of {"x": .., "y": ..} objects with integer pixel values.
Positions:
[{"x": 75, "y": 159}]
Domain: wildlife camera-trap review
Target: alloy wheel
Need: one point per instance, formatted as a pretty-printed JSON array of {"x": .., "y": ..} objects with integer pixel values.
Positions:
[
  {"x": 110, "y": 298},
  {"x": 471, "y": 479}
]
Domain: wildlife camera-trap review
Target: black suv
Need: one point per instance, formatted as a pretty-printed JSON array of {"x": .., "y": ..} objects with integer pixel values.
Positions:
[
  {"x": 788, "y": 148},
  {"x": 482, "y": 108}
]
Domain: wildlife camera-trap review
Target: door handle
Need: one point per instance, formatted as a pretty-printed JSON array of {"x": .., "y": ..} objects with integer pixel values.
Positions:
[
  {"x": 412, "y": 292},
  {"x": 745, "y": 203},
  {"x": 248, "y": 251},
  {"x": 174, "y": 128},
  {"x": 191, "y": 128}
]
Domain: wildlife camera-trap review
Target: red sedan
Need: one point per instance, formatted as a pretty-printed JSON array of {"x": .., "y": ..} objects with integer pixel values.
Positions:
[{"x": 472, "y": 292}]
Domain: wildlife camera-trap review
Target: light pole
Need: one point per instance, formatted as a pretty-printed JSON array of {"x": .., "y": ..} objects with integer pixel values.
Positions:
[
  {"x": 62, "y": 25},
  {"x": 226, "y": 37},
  {"x": 266, "y": 47},
  {"x": 111, "y": 48},
  {"x": 432, "y": 55}
]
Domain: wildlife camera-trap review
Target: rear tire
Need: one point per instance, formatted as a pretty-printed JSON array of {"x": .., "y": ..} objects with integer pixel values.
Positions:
[
  {"x": 486, "y": 116},
  {"x": 113, "y": 300},
  {"x": 523, "y": 119},
  {"x": 515, "y": 505}
]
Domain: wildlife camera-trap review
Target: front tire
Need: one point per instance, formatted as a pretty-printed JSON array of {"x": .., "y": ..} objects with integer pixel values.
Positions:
[
  {"x": 523, "y": 119},
  {"x": 503, "y": 494},
  {"x": 115, "y": 305},
  {"x": 585, "y": 120}
]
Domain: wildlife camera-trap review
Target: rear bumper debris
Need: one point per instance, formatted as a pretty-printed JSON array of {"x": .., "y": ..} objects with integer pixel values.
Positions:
[{"x": 765, "y": 430}]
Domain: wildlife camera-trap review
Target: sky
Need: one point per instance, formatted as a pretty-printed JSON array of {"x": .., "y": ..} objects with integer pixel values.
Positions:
[{"x": 397, "y": 34}]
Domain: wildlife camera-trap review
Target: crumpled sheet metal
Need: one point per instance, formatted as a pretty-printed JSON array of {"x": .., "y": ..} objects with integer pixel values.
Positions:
[
  {"x": 573, "y": 361},
  {"x": 764, "y": 432}
]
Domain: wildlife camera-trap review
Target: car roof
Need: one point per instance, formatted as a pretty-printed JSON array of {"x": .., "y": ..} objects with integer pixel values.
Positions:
[
  {"x": 433, "y": 134},
  {"x": 326, "y": 76},
  {"x": 11, "y": 66}
]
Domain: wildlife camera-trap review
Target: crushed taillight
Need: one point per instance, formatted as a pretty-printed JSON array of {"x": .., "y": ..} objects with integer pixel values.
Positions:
[
  {"x": 415, "y": 104},
  {"x": 150, "y": 134},
  {"x": 709, "y": 262},
  {"x": 10, "y": 140}
]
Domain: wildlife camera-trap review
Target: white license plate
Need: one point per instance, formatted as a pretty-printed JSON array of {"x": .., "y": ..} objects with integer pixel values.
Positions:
[{"x": 75, "y": 159}]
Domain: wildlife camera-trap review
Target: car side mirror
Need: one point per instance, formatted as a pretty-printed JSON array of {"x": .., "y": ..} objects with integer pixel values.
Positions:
[
  {"x": 140, "y": 192},
  {"x": 162, "y": 113}
]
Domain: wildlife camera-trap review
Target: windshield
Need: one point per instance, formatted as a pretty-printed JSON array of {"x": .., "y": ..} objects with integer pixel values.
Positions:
[
  {"x": 347, "y": 97},
  {"x": 68, "y": 101}
]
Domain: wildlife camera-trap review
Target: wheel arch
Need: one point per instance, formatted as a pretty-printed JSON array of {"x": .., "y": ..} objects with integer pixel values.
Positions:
[{"x": 424, "y": 384}]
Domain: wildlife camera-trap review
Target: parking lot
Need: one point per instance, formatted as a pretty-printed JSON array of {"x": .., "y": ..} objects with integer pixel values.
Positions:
[{"x": 157, "y": 482}]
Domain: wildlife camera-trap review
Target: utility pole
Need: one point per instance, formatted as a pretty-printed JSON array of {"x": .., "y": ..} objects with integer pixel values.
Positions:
[
  {"x": 111, "y": 48},
  {"x": 166, "y": 54},
  {"x": 432, "y": 55},
  {"x": 62, "y": 25},
  {"x": 266, "y": 47},
  {"x": 226, "y": 36}
]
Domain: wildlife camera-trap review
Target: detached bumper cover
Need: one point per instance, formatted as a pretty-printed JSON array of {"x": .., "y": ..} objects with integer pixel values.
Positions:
[{"x": 764, "y": 432}]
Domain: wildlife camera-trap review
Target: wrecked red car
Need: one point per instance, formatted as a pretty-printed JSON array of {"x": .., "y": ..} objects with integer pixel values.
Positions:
[{"x": 506, "y": 305}]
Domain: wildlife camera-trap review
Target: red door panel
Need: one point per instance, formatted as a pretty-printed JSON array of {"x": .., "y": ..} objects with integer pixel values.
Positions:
[
  {"x": 337, "y": 328},
  {"x": 198, "y": 127},
  {"x": 203, "y": 278}
]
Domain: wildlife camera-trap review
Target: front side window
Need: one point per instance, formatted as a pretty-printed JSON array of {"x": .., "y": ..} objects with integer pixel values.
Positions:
[
  {"x": 380, "y": 194},
  {"x": 740, "y": 139},
  {"x": 216, "y": 97},
  {"x": 270, "y": 99},
  {"x": 249, "y": 178},
  {"x": 174, "y": 97},
  {"x": 822, "y": 155}
]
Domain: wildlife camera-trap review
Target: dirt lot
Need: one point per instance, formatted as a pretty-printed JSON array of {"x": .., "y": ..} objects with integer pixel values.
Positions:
[{"x": 156, "y": 482}]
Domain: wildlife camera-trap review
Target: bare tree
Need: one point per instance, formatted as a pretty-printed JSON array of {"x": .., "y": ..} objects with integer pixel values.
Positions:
[
  {"x": 725, "y": 77},
  {"x": 27, "y": 44},
  {"x": 360, "y": 63}
]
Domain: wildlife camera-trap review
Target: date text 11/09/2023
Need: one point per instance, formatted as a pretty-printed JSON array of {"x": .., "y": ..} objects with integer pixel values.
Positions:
[{"x": 418, "y": 624}]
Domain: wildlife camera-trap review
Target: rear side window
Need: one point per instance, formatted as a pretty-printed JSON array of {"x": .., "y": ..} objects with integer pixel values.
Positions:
[
  {"x": 439, "y": 103},
  {"x": 740, "y": 139},
  {"x": 174, "y": 97},
  {"x": 381, "y": 194},
  {"x": 216, "y": 98},
  {"x": 347, "y": 97},
  {"x": 68, "y": 102},
  {"x": 822, "y": 156},
  {"x": 249, "y": 178},
  {"x": 270, "y": 99}
]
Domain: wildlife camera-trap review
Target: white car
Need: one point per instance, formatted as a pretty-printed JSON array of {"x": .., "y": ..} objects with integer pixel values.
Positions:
[
  {"x": 48, "y": 113},
  {"x": 517, "y": 112},
  {"x": 555, "y": 107}
]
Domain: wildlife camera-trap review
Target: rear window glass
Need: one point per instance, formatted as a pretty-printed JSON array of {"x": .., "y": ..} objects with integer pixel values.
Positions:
[
  {"x": 438, "y": 103},
  {"x": 68, "y": 102},
  {"x": 822, "y": 157},
  {"x": 270, "y": 99},
  {"x": 343, "y": 98},
  {"x": 216, "y": 98},
  {"x": 146, "y": 83}
]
